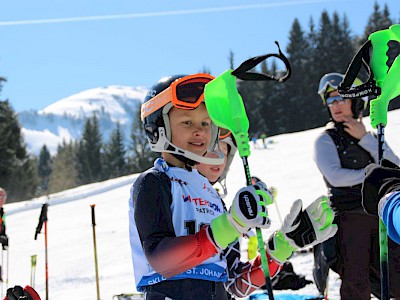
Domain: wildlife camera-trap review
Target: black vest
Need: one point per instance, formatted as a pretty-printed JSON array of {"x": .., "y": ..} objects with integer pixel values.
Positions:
[{"x": 352, "y": 156}]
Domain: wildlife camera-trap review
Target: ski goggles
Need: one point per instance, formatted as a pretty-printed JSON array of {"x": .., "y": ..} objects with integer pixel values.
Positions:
[
  {"x": 330, "y": 101},
  {"x": 331, "y": 80},
  {"x": 184, "y": 93},
  {"x": 224, "y": 133}
]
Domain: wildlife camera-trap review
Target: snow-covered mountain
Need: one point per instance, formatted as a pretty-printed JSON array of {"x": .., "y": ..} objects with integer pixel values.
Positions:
[{"x": 65, "y": 118}]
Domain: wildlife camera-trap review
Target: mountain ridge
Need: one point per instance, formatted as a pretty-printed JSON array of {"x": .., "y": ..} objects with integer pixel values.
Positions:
[{"x": 65, "y": 118}]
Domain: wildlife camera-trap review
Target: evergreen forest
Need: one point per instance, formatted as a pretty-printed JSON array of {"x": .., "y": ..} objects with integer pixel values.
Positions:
[{"x": 323, "y": 46}]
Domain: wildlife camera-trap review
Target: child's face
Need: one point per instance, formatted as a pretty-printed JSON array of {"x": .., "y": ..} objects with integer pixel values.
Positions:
[
  {"x": 213, "y": 172},
  {"x": 3, "y": 197},
  {"x": 191, "y": 129}
]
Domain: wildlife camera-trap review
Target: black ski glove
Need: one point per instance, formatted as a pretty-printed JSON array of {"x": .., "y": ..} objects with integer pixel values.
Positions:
[
  {"x": 388, "y": 164},
  {"x": 378, "y": 182},
  {"x": 4, "y": 241},
  {"x": 19, "y": 293}
]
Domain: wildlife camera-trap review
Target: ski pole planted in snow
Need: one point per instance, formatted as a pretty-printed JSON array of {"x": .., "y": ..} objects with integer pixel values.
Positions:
[
  {"x": 43, "y": 221},
  {"x": 8, "y": 261},
  {"x": 92, "y": 206},
  {"x": 33, "y": 269},
  {"x": 1, "y": 273},
  {"x": 4, "y": 279},
  {"x": 384, "y": 71},
  {"x": 226, "y": 109}
]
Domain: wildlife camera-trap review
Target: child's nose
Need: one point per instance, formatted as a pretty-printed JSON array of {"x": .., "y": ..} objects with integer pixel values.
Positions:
[{"x": 199, "y": 130}]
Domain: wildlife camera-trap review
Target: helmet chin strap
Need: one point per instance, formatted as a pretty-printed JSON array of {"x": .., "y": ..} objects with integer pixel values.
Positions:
[
  {"x": 189, "y": 158},
  {"x": 189, "y": 163}
]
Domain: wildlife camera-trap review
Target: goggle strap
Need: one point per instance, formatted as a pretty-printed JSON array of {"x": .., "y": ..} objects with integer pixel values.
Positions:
[
  {"x": 362, "y": 58},
  {"x": 155, "y": 103},
  {"x": 241, "y": 72}
]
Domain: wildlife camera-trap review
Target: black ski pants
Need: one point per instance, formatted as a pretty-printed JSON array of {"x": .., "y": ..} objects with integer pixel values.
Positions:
[{"x": 358, "y": 257}]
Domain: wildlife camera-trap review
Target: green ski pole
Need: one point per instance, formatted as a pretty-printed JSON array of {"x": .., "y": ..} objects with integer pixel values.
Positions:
[
  {"x": 387, "y": 80},
  {"x": 226, "y": 109},
  {"x": 384, "y": 71},
  {"x": 231, "y": 114}
]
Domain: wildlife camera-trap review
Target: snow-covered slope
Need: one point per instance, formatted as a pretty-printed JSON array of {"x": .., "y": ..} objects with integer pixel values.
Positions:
[
  {"x": 65, "y": 118},
  {"x": 287, "y": 164}
]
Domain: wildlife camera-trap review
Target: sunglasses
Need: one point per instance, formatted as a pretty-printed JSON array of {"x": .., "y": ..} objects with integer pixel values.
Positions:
[
  {"x": 330, "y": 80},
  {"x": 185, "y": 93},
  {"x": 330, "y": 101}
]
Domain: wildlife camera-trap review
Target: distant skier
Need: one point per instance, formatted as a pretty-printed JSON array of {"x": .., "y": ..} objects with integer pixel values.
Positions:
[
  {"x": 255, "y": 144},
  {"x": 263, "y": 138},
  {"x": 3, "y": 235}
]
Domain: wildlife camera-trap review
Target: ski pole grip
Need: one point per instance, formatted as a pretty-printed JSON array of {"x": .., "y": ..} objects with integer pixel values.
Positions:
[
  {"x": 93, "y": 216},
  {"x": 42, "y": 219}
]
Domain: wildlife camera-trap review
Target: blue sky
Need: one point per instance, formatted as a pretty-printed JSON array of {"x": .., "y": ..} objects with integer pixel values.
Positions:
[{"x": 52, "y": 49}]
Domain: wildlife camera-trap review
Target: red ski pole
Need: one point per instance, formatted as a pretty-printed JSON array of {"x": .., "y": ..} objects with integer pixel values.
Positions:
[{"x": 43, "y": 220}]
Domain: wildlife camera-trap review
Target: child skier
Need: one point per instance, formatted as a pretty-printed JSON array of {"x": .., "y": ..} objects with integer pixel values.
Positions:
[{"x": 183, "y": 241}]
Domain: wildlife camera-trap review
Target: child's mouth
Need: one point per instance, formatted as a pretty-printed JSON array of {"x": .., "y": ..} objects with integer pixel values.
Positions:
[{"x": 197, "y": 144}]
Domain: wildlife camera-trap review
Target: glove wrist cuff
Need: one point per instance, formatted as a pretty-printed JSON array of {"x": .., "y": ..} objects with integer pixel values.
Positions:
[
  {"x": 279, "y": 248},
  {"x": 223, "y": 231}
]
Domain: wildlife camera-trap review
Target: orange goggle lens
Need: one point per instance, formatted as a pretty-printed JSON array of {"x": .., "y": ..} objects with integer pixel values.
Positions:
[
  {"x": 184, "y": 93},
  {"x": 223, "y": 133}
]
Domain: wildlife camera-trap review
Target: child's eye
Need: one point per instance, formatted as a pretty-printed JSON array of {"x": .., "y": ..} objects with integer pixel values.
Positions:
[
  {"x": 206, "y": 123},
  {"x": 187, "y": 122}
]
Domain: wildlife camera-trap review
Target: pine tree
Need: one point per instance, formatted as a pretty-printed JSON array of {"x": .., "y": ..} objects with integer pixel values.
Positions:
[
  {"x": 325, "y": 51},
  {"x": 44, "y": 168},
  {"x": 114, "y": 155},
  {"x": 18, "y": 174},
  {"x": 345, "y": 49},
  {"x": 297, "y": 88},
  {"x": 140, "y": 156},
  {"x": 231, "y": 59},
  {"x": 89, "y": 153},
  {"x": 64, "y": 175},
  {"x": 377, "y": 21}
]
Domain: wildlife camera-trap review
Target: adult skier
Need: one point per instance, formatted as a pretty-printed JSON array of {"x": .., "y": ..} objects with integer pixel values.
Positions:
[{"x": 341, "y": 153}]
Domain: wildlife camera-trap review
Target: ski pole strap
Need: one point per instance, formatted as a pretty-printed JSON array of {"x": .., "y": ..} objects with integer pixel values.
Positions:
[
  {"x": 386, "y": 65},
  {"x": 241, "y": 72},
  {"x": 383, "y": 67},
  {"x": 369, "y": 88}
]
